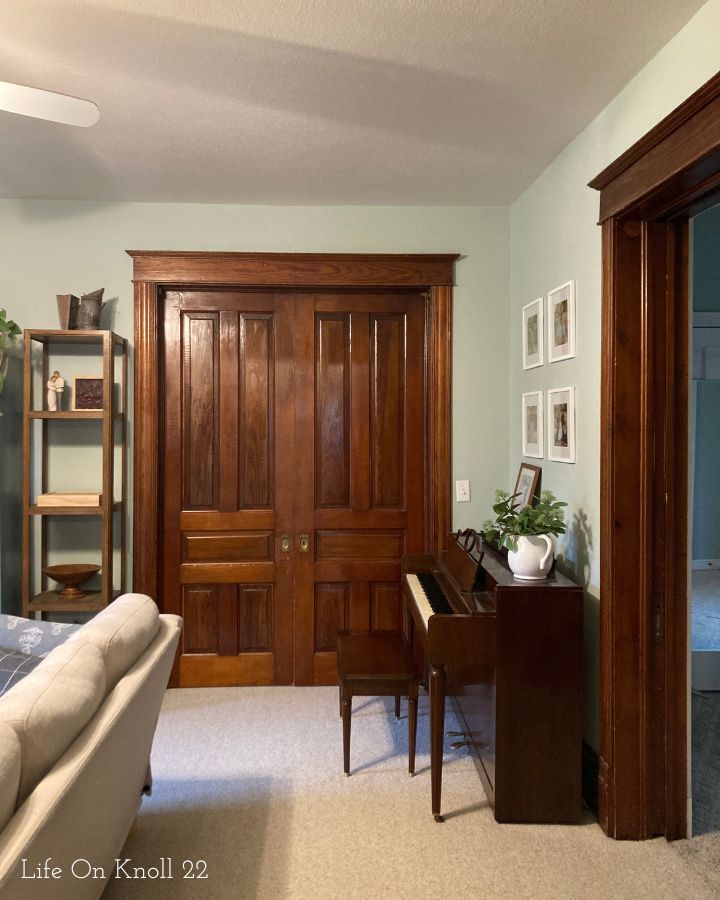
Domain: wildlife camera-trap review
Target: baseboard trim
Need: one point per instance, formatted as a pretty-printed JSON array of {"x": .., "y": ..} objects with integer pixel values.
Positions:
[{"x": 590, "y": 772}]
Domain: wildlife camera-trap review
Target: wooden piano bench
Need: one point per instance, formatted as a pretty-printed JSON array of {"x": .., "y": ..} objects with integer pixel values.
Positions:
[{"x": 376, "y": 664}]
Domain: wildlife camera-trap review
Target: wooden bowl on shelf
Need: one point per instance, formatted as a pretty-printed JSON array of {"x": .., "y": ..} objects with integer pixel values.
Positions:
[{"x": 70, "y": 576}]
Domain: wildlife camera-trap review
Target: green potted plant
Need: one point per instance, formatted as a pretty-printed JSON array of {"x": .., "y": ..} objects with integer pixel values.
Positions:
[
  {"x": 9, "y": 330},
  {"x": 525, "y": 531}
]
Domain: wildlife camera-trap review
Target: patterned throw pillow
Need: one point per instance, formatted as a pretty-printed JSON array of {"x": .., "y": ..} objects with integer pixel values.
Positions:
[
  {"x": 32, "y": 636},
  {"x": 14, "y": 666}
]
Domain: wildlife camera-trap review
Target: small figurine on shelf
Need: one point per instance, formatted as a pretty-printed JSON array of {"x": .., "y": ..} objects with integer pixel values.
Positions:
[{"x": 55, "y": 385}]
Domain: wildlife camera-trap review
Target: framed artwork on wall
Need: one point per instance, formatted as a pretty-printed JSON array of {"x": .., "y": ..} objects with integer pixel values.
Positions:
[
  {"x": 561, "y": 425},
  {"x": 527, "y": 484},
  {"x": 533, "y": 334},
  {"x": 532, "y": 424},
  {"x": 561, "y": 322}
]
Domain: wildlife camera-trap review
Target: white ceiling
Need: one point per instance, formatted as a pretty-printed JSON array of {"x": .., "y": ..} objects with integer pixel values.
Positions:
[{"x": 457, "y": 102}]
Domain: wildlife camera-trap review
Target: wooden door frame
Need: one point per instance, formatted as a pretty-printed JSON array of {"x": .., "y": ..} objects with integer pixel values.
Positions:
[
  {"x": 154, "y": 271},
  {"x": 647, "y": 197}
]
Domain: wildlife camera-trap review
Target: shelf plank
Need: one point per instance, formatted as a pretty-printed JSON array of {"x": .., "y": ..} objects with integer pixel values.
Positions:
[
  {"x": 51, "y": 601},
  {"x": 67, "y": 414},
  {"x": 61, "y": 336},
  {"x": 71, "y": 414},
  {"x": 71, "y": 510}
]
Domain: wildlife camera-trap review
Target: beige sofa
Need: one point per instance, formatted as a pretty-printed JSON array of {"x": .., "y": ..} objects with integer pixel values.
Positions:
[{"x": 75, "y": 740}]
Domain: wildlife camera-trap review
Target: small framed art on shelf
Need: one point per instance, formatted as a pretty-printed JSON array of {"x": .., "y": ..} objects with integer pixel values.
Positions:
[{"x": 87, "y": 392}]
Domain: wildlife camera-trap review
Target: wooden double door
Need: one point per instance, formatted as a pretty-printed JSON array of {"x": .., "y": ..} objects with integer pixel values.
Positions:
[{"x": 293, "y": 451}]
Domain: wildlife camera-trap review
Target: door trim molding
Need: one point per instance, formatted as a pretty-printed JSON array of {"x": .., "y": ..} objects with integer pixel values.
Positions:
[
  {"x": 153, "y": 271},
  {"x": 295, "y": 269},
  {"x": 647, "y": 197}
]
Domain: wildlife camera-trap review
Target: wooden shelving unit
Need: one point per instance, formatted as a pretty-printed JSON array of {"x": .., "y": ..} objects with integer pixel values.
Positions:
[{"x": 112, "y": 416}]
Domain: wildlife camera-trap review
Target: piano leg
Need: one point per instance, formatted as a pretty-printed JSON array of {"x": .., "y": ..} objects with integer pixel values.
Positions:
[
  {"x": 437, "y": 728},
  {"x": 346, "y": 704},
  {"x": 412, "y": 725}
]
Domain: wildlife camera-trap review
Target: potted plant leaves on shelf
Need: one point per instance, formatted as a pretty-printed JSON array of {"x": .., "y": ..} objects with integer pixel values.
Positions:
[
  {"x": 9, "y": 330},
  {"x": 526, "y": 532}
]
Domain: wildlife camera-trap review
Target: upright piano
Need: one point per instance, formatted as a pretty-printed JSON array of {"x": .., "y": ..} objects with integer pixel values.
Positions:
[{"x": 509, "y": 654}]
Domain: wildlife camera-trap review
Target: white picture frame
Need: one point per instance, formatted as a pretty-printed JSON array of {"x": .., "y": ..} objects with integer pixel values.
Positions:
[
  {"x": 561, "y": 322},
  {"x": 533, "y": 334},
  {"x": 561, "y": 424},
  {"x": 532, "y": 424}
]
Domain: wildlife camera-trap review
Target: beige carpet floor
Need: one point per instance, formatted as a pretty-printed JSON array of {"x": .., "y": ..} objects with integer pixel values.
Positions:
[{"x": 249, "y": 781}]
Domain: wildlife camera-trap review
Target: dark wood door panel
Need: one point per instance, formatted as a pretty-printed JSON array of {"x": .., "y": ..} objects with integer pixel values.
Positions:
[
  {"x": 226, "y": 573},
  {"x": 331, "y": 613},
  {"x": 200, "y": 337},
  {"x": 255, "y": 435},
  {"x": 387, "y": 411},
  {"x": 231, "y": 354},
  {"x": 385, "y": 606},
  {"x": 200, "y": 611},
  {"x": 366, "y": 544},
  {"x": 361, "y": 358},
  {"x": 332, "y": 410},
  {"x": 227, "y": 546}
]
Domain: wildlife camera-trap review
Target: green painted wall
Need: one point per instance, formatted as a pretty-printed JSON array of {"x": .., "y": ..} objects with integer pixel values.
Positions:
[
  {"x": 62, "y": 247},
  {"x": 554, "y": 238}
]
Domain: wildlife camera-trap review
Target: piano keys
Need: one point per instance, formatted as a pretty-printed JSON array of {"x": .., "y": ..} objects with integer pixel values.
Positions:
[
  {"x": 428, "y": 595},
  {"x": 508, "y": 654}
]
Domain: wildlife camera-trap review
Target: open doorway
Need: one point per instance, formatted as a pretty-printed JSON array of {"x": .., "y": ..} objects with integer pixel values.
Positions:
[{"x": 704, "y": 521}]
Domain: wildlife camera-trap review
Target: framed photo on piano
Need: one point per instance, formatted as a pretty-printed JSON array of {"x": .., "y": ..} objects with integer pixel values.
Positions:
[
  {"x": 532, "y": 424},
  {"x": 527, "y": 484}
]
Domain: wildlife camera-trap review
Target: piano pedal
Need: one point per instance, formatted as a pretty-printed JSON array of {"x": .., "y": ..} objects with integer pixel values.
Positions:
[
  {"x": 456, "y": 745},
  {"x": 456, "y": 733}
]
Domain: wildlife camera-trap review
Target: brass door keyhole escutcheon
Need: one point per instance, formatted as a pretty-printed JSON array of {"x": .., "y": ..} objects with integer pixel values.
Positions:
[
  {"x": 285, "y": 543},
  {"x": 304, "y": 543}
]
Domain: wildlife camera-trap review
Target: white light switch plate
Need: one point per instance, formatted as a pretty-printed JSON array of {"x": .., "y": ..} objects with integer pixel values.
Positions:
[{"x": 462, "y": 491}]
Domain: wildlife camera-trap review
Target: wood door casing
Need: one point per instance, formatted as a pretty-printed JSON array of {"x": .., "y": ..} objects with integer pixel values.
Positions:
[
  {"x": 360, "y": 453},
  {"x": 156, "y": 272},
  {"x": 227, "y": 485},
  {"x": 647, "y": 196}
]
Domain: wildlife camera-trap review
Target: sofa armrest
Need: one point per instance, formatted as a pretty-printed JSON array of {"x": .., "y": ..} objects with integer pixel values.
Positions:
[{"x": 85, "y": 805}]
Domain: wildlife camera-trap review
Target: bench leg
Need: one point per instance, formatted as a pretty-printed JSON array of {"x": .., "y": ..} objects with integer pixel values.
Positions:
[
  {"x": 397, "y": 708},
  {"x": 346, "y": 704},
  {"x": 412, "y": 726}
]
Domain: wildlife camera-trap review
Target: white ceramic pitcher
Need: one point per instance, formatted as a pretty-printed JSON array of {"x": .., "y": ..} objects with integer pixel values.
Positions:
[{"x": 533, "y": 557}]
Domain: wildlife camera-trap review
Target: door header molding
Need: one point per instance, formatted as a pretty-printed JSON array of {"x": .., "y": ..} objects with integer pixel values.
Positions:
[
  {"x": 675, "y": 160},
  {"x": 294, "y": 269}
]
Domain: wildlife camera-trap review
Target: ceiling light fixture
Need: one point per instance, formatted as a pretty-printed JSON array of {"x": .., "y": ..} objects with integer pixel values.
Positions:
[{"x": 28, "y": 101}]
